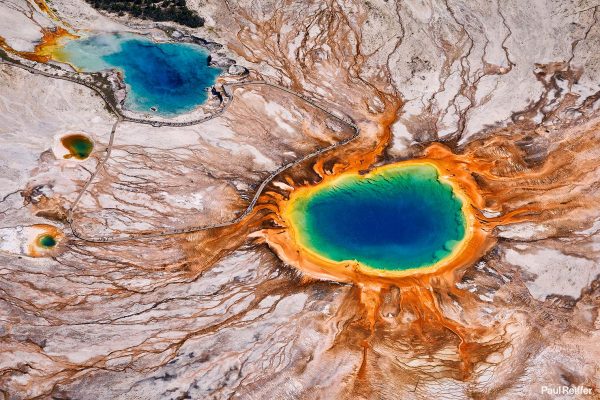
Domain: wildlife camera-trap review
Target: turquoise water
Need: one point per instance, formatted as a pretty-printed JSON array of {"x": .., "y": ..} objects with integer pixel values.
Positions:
[
  {"x": 47, "y": 241},
  {"x": 168, "y": 76},
  {"x": 396, "y": 219}
]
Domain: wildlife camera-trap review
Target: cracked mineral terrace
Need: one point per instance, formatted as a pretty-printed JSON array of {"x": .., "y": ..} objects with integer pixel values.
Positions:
[{"x": 179, "y": 255}]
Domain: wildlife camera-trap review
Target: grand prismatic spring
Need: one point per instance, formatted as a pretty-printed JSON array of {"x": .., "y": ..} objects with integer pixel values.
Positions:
[
  {"x": 396, "y": 218},
  {"x": 300, "y": 199}
]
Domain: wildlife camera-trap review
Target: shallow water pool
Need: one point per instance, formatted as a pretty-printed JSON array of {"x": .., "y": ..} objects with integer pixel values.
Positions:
[{"x": 163, "y": 78}]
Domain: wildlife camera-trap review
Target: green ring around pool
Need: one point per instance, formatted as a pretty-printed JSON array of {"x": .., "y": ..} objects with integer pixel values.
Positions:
[
  {"x": 46, "y": 241},
  {"x": 397, "y": 218}
]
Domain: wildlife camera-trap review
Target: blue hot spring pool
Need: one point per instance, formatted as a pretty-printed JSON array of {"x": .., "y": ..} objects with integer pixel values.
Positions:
[
  {"x": 170, "y": 77},
  {"x": 395, "y": 218}
]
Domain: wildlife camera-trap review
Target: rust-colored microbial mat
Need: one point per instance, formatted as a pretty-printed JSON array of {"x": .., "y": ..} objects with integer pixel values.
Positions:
[{"x": 370, "y": 200}]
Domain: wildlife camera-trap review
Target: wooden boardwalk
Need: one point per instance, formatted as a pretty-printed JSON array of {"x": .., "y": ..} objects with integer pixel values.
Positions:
[{"x": 229, "y": 90}]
